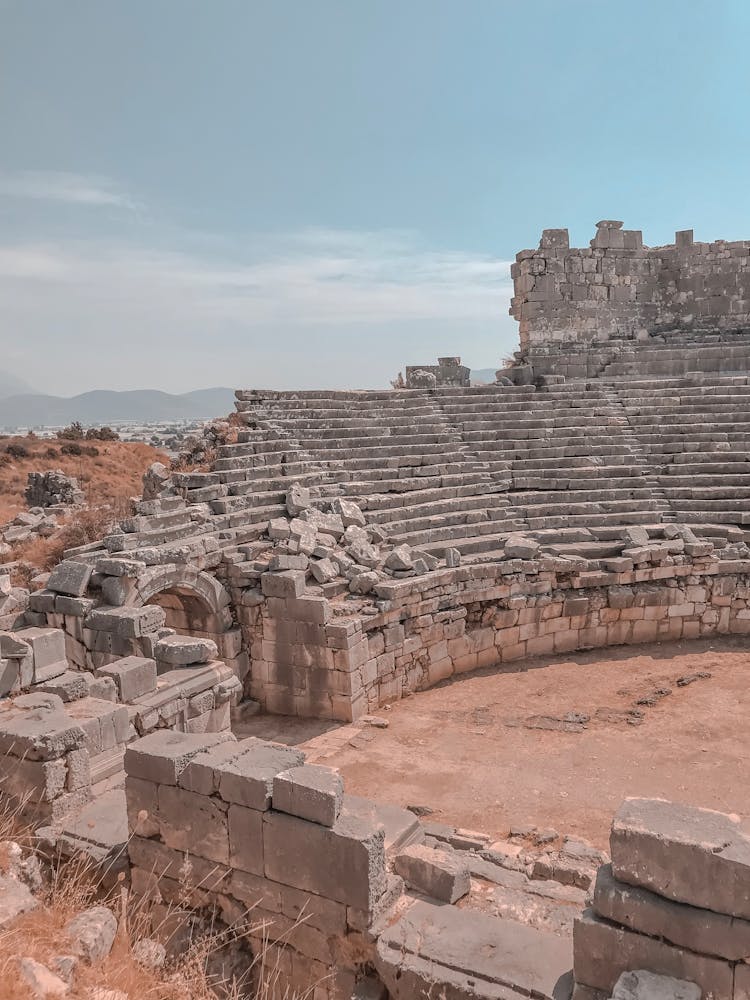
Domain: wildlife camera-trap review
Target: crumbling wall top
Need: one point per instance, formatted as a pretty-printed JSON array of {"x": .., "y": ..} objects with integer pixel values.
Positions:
[{"x": 620, "y": 289}]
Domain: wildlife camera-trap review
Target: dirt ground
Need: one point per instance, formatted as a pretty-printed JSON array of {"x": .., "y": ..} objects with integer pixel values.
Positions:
[{"x": 471, "y": 749}]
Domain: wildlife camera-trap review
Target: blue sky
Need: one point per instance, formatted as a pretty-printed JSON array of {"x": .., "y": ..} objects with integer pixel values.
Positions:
[{"x": 315, "y": 193}]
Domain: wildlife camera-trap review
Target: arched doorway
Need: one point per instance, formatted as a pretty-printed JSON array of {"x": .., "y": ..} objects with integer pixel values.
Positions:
[{"x": 194, "y": 602}]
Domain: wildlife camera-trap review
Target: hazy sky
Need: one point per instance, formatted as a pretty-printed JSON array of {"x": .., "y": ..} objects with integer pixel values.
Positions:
[{"x": 313, "y": 193}]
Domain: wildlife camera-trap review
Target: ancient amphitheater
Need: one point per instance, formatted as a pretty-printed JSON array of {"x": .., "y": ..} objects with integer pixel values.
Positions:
[{"x": 352, "y": 548}]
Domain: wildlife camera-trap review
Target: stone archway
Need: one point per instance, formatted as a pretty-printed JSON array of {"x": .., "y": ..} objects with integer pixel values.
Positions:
[{"x": 195, "y": 603}]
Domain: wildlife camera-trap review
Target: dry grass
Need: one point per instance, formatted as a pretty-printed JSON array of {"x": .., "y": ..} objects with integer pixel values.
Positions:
[
  {"x": 114, "y": 473},
  {"x": 73, "y": 885}
]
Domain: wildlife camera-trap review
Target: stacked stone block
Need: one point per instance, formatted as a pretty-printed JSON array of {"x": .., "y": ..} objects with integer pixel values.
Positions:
[
  {"x": 675, "y": 901},
  {"x": 269, "y": 843}
]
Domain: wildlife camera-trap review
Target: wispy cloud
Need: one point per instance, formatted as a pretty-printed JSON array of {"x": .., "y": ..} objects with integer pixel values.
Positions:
[
  {"x": 303, "y": 278},
  {"x": 67, "y": 188},
  {"x": 306, "y": 309}
]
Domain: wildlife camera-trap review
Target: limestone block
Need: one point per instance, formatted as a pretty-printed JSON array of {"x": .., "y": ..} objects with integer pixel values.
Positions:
[
  {"x": 247, "y": 779},
  {"x": 10, "y": 677},
  {"x": 282, "y": 561},
  {"x": 310, "y": 792},
  {"x": 120, "y": 567},
  {"x": 127, "y": 623},
  {"x": 39, "y": 733},
  {"x": 70, "y": 577},
  {"x": 519, "y": 547},
  {"x": 69, "y": 686},
  {"x": 47, "y": 650},
  {"x": 603, "y": 951},
  {"x": 683, "y": 853},
  {"x": 400, "y": 558},
  {"x": 679, "y": 923},
  {"x": 290, "y": 583},
  {"x": 246, "y": 839},
  {"x": 196, "y": 824},
  {"x": 642, "y": 985},
  {"x": 434, "y": 872},
  {"x": 183, "y": 650},
  {"x": 303, "y": 537},
  {"x": 117, "y": 590},
  {"x": 12, "y": 645},
  {"x": 434, "y": 950},
  {"x": 328, "y": 525},
  {"x": 297, "y": 499},
  {"x": 161, "y": 757},
  {"x": 78, "y": 607},
  {"x": 278, "y": 528},
  {"x": 133, "y": 675},
  {"x": 345, "y": 862},
  {"x": 323, "y": 570},
  {"x": 364, "y": 583},
  {"x": 349, "y": 512}
]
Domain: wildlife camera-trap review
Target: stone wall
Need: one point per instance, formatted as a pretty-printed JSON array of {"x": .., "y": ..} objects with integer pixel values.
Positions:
[
  {"x": 619, "y": 288},
  {"x": 423, "y": 630},
  {"x": 675, "y": 901},
  {"x": 270, "y": 844}
]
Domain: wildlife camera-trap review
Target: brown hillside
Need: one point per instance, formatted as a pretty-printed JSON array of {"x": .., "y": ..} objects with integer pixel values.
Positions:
[{"x": 107, "y": 478}]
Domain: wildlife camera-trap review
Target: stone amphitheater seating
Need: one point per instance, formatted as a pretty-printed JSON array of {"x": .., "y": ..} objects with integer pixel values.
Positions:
[{"x": 463, "y": 467}]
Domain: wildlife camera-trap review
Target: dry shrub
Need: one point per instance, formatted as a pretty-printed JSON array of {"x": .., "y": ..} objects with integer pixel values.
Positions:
[{"x": 72, "y": 885}]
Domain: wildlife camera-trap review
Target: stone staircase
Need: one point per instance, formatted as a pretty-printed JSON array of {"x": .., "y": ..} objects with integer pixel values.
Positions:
[
  {"x": 680, "y": 353},
  {"x": 463, "y": 467},
  {"x": 695, "y": 435}
]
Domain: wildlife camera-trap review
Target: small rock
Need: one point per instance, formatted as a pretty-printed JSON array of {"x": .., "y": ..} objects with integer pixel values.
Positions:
[
  {"x": 686, "y": 679},
  {"x": 452, "y": 558},
  {"x": 363, "y": 583},
  {"x": 642, "y": 985},
  {"x": 375, "y": 721},
  {"x": 41, "y": 981},
  {"x": 421, "y": 810},
  {"x": 15, "y": 899},
  {"x": 65, "y": 966},
  {"x": 149, "y": 953},
  {"x": 545, "y": 836},
  {"x": 400, "y": 558},
  {"x": 92, "y": 933}
]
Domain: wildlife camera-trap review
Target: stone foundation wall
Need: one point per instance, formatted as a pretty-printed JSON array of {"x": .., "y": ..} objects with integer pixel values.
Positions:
[
  {"x": 268, "y": 844},
  {"x": 617, "y": 288},
  {"x": 424, "y": 630},
  {"x": 675, "y": 901}
]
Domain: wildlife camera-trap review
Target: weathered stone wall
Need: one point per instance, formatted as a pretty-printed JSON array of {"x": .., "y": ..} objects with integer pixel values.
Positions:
[
  {"x": 271, "y": 844},
  {"x": 424, "y": 630},
  {"x": 675, "y": 901},
  {"x": 619, "y": 288}
]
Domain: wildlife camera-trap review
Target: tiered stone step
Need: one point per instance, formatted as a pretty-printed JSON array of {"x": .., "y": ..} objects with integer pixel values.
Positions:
[
  {"x": 695, "y": 434},
  {"x": 681, "y": 354},
  {"x": 396, "y": 454},
  {"x": 568, "y": 461}
]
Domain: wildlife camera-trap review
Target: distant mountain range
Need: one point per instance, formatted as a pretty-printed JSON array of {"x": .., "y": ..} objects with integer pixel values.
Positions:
[
  {"x": 21, "y": 406},
  {"x": 104, "y": 406}
]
